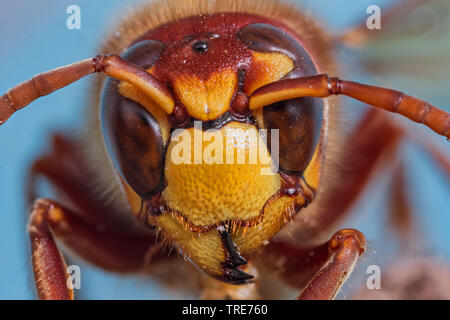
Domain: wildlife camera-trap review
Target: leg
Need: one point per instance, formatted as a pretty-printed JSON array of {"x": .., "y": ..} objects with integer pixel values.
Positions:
[
  {"x": 402, "y": 214},
  {"x": 49, "y": 267},
  {"x": 344, "y": 249},
  {"x": 49, "y": 220},
  {"x": 320, "y": 269},
  {"x": 66, "y": 169},
  {"x": 374, "y": 141},
  {"x": 441, "y": 157},
  {"x": 372, "y": 144},
  {"x": 370, "y": 149},
  {"x": 89, "y": 228},
  {"x": 401, "y": 217}
]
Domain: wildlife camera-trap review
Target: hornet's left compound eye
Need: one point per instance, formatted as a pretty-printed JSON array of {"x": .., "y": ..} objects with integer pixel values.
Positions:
[{"x": 133, "y": 136}]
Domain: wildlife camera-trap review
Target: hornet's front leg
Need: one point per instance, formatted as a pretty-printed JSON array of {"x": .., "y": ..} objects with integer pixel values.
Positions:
[
  {"x": 319, "y": 269},
  {"x": 106, "y": 248},
  {"x": 344, "y": 248},
  {"x": 49, "y": 267}
]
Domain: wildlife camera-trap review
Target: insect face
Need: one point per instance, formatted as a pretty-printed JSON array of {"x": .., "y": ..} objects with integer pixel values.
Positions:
[{"x": 183, "y": 172}]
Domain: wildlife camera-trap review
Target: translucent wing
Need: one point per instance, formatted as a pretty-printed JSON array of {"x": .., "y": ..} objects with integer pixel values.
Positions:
[{"x": 412, "y": 48}]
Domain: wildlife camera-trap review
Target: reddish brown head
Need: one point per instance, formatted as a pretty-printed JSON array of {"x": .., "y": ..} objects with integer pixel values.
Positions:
[{"x": 211, "y": 64}]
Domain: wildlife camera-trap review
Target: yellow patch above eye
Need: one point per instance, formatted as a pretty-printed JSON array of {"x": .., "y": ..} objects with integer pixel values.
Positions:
[
  {"x": 131, "y": 92},
  {"x": 314, "y": 170},
  {"x": 206, "y": 99},
  {"x": 267, "y": 68}
]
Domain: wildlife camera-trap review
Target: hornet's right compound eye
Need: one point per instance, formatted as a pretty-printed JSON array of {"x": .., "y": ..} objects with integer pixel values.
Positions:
[{"x": 299, "y": 121}]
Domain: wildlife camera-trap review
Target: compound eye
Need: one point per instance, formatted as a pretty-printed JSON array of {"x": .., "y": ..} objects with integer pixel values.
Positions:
[
  {"x": 299, "y": 122},
  {"x": 135, "y": 143},
  {"x": 144, "y": 53},
  {"x": 132, "y": 135}
]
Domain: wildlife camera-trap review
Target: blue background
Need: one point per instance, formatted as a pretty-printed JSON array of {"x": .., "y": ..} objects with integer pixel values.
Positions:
[{"x": 34, "y": 38}]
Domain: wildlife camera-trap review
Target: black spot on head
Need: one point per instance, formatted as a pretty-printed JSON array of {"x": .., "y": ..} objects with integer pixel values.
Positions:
[{"x": 200, "y": 46}]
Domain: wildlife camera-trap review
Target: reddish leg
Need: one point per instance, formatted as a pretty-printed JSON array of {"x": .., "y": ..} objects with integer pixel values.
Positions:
[
  {"x": 376, "y": 138},
  {"x": 441, "y": 157},
  {"x": 112, "y": 251},
  {"x": 344, "y": 249},
  {"x": 49, "y": 267},
  {"x": 66, "y": 169},
  {"x": 115, "y": 252},
  {"x": 321, "y": 269},
  {"x": 69, "y": 173},
  {"x": 109, "y": 249},
  {"x": 401, "y": 217},
  {"x": 90, "y": 228}
]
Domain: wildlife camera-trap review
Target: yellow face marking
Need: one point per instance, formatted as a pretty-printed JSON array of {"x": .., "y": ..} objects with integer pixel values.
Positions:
[
  {"x": 267, "y": 68},
  {"x": 206, "y": 249},
  {"x": 313, "y": 171},
  {"x": 206, "y": 99},
  {"x": 224, "y": 178},
  {"x": 277, "y": 212}
]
